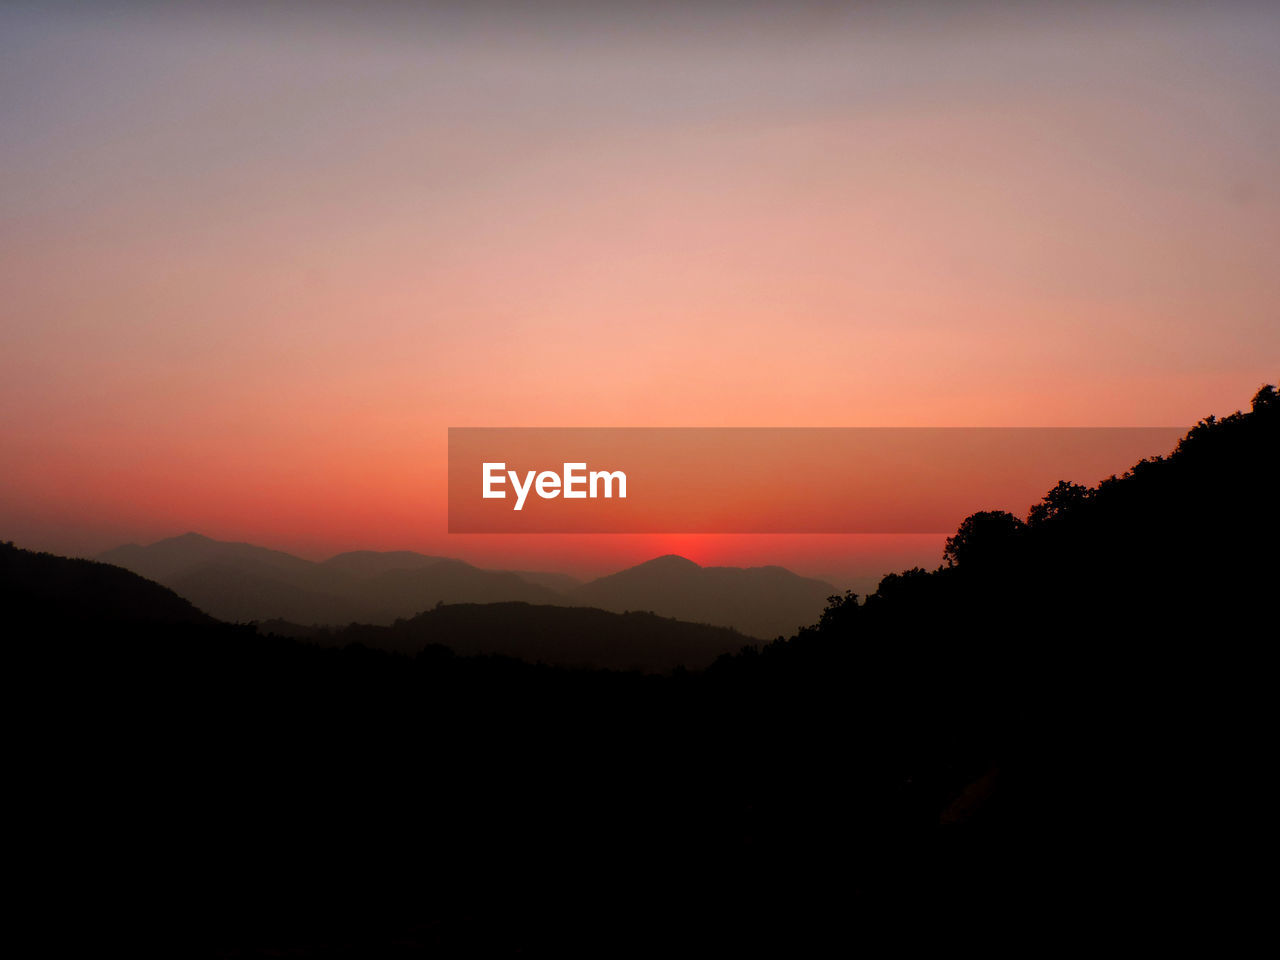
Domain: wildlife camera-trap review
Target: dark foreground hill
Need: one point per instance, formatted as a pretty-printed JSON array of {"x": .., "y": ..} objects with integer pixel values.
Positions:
[
  {"x": 989, "y": 754},
  {"x": 58, "y": 590},
  {"x": 1114, "y": 733}
]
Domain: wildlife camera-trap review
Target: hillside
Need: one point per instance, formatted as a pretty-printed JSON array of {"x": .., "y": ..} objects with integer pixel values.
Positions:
[
  {"x": 763, "y": 602},
  {"x": 568, "y": 636},
  {"x": 1105, "y": 737},
  {"x": 40, "y": 588},
  {"x": 241, "y": 582}
]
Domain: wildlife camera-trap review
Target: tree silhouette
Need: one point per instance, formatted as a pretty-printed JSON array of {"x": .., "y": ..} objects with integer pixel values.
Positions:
[
  {"x": 1265, "y": 399},
  {"x": 1063, "y": 500},
  {"x": 985, "y": 537}
]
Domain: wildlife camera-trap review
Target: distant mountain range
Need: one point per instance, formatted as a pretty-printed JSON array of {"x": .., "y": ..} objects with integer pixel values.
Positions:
[
  {"x": 58, "y": 596},
  {"x": 242, "y": 582}
]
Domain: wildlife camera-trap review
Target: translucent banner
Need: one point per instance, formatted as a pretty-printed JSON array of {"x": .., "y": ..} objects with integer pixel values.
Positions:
[{"x": 770, "y": 480}]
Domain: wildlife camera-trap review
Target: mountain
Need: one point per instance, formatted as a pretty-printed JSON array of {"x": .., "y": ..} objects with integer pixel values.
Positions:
[
  {"x": 559, "y": 582},
  {"x": 40, "y": 588},
  {"x": 565, "y": 636},
  {"x": 178, "y": 556},
  {"x": 1105, "y": 728},
  {"x": 762, "y": 602},
  {"x": 242, "y": 582},
  {"x": 414, "y": 589},
  {"x": 370, "y": 563}
]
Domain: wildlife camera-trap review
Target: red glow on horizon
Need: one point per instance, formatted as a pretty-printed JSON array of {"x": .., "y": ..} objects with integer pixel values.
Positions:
[{"x": 253, "y": 269}]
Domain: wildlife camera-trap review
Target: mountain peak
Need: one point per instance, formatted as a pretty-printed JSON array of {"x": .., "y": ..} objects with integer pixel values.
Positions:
[
  {"x": 760, "y": 602},
  {"x": 670, "y": 561}
]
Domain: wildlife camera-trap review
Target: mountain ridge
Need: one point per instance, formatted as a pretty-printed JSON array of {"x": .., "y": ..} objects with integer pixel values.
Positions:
[{"x": 238, "y": 582}]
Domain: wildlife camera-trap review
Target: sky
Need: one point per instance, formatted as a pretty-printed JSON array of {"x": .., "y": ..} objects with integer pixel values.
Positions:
[{"x": 255, "y": 259}]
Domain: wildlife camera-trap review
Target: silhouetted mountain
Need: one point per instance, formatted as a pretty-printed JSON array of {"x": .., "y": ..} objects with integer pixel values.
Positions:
[
  {"x": 46, "y": 589},
  {"x": 240, "y": 582},
  {"x": 1096, "y": 670},
  {"x": 370, "y": 563},
  {"x": 565, "y": 636},
  {"x": 762, "y": 602},
  {"x": 178, "y": 556},
  {"x": 450, "y": 581},
  {"x": 561, "y": 583},
  {"x": 236, "y": 594}
]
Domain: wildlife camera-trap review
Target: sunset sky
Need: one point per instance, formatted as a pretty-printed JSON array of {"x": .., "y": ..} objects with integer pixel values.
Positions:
[{"x": 255, "y": 259}]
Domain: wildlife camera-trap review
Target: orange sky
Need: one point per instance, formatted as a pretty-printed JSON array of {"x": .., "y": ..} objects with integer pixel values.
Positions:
[{"x": 254, "y": 266}]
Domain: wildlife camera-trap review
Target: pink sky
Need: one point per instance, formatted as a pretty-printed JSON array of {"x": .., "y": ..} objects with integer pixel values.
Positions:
[{"x": 254, "y": 267}]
